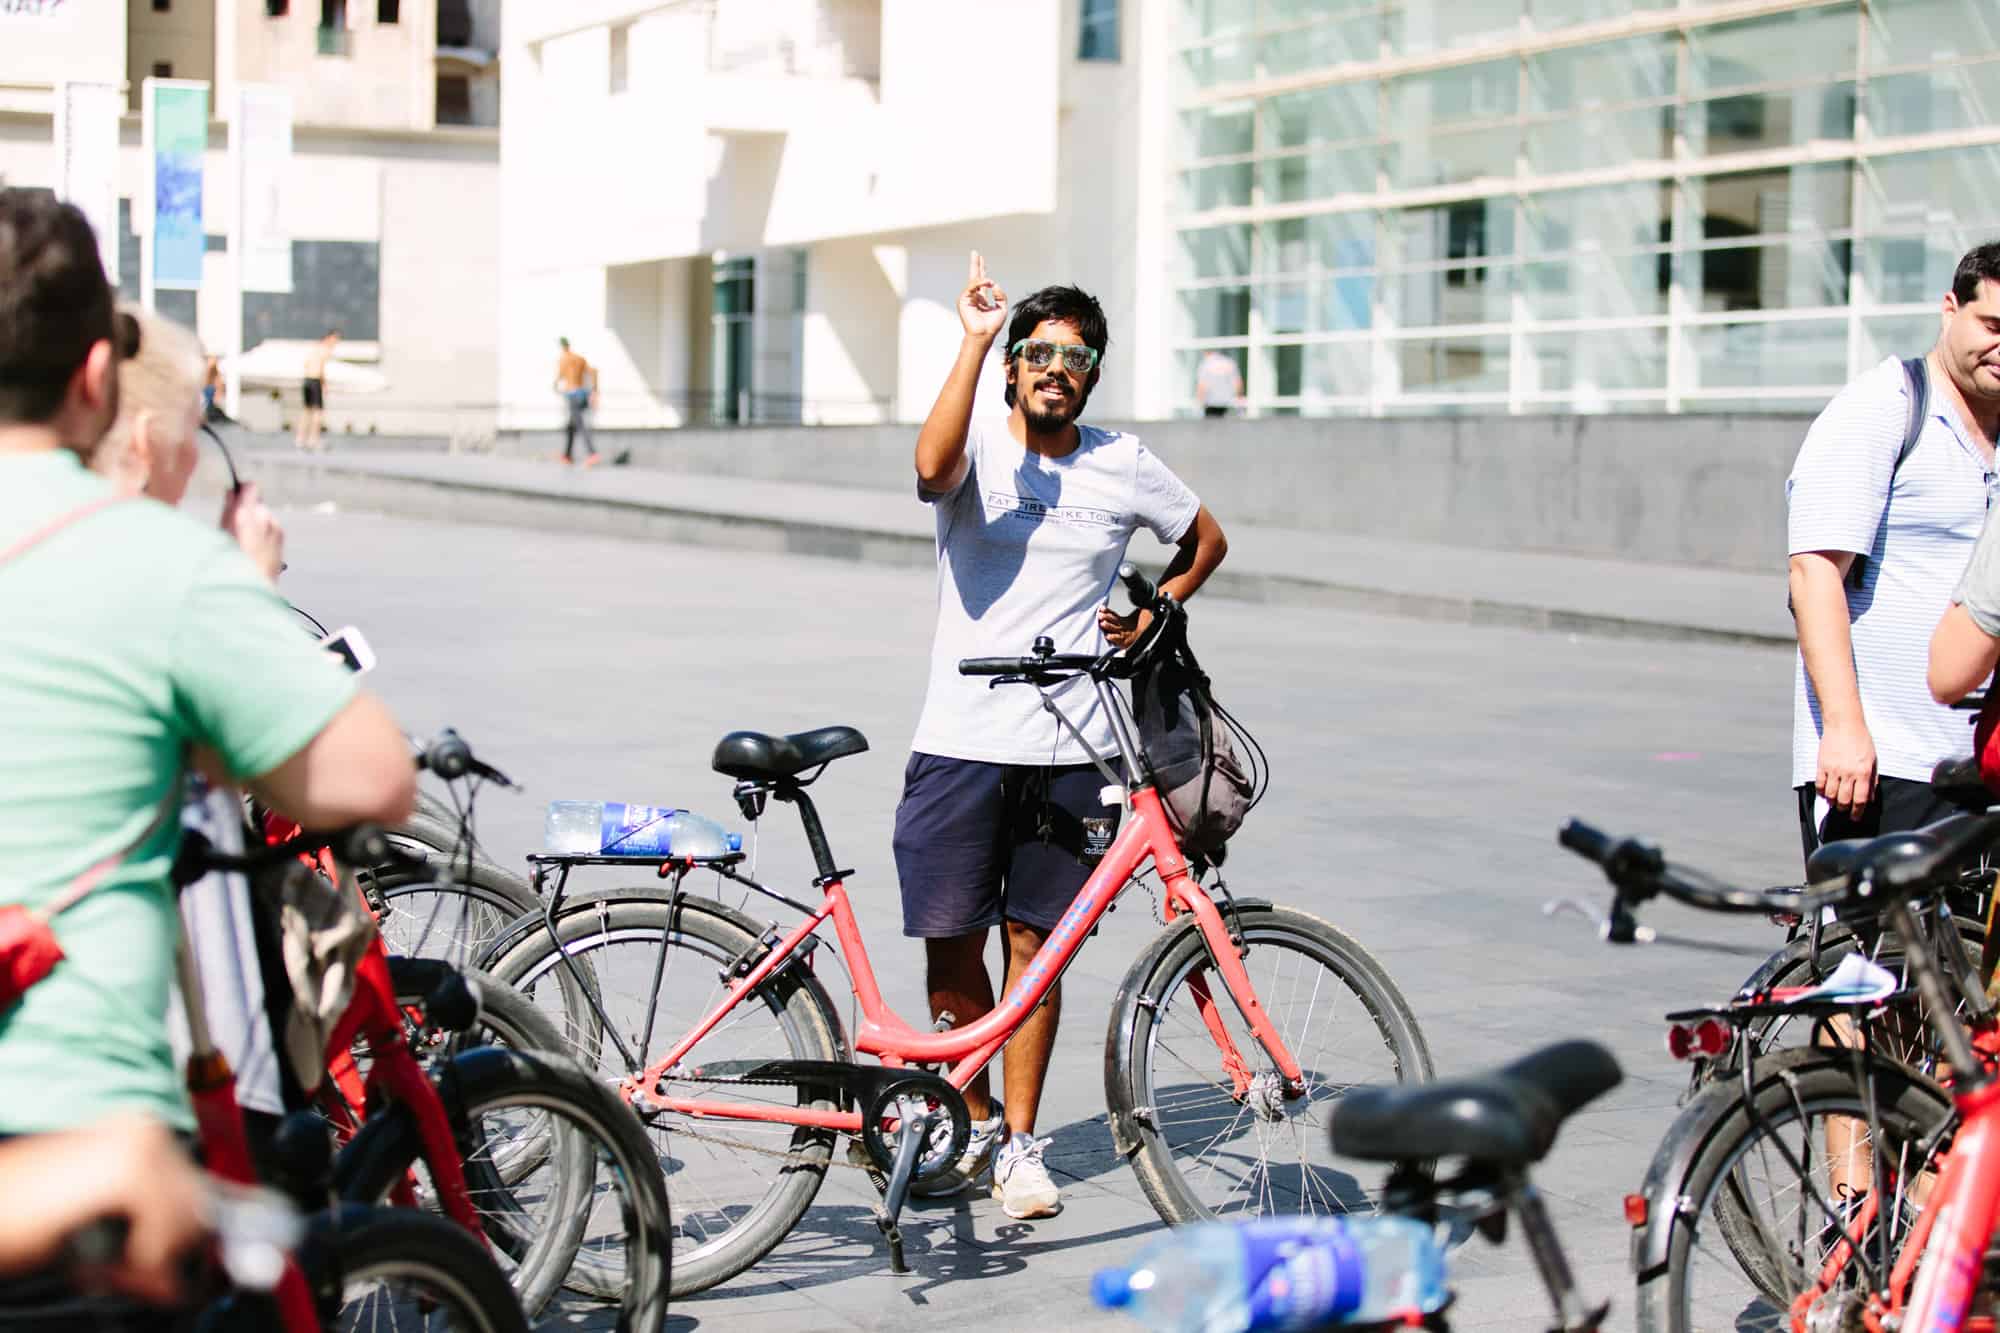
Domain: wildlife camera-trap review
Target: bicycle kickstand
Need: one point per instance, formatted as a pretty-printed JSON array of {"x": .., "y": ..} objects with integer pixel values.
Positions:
[{"x": 911, "y": 1137}]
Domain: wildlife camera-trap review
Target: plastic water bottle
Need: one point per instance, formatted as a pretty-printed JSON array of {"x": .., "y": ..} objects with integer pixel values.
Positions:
[
  {"x": 614, "y": 828},
  {"x": 1279, "y": 1273}
]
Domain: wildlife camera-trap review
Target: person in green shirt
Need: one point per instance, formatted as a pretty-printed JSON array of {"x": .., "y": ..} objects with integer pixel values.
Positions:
[{"x": 131, "y": 638}]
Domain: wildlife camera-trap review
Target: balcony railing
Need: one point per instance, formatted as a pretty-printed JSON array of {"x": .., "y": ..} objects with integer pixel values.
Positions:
[{"x": 336, "y": 42}]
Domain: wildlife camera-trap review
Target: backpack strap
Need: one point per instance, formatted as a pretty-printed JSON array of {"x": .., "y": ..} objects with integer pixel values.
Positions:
[
  {"x": 59, "y": 522},
  {"x": 1916, "y": 374}
]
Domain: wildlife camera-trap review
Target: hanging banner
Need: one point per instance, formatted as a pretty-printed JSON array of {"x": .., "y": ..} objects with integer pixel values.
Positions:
[
  {"x": 87, "y": 159},
  {"x": 47, "y": 15},
  {"x": 176, "y": 132},
  {"x": 260, "y": 148}
]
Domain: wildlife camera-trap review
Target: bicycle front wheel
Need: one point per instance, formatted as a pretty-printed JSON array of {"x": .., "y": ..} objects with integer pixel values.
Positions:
[
  {"x": 1777, "y": 1179},
  {"x": 1208, "y": 1142},
  {"x": 391, "y": 1268}
]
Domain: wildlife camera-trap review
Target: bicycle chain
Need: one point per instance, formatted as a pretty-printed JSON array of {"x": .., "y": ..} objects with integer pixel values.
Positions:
[{"x": 784, "y": 1155}]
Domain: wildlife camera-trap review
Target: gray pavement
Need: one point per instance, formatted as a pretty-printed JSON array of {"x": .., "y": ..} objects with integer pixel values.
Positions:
[
  {"x": 1421, "y": 769},
  {"x": 1274, "y": 565}
]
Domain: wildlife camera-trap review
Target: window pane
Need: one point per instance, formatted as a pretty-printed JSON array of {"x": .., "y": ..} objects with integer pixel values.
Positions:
[
  {"x": 1904, "y": 269},
  {"x": 1467, "y": 365},
  {"x": 1321, "y": 115},
  {"x": 1425, "y": 25},
  {"x": 1336, "y": 306},
  {"x": 1800, "y": 273},
  {"x": 1948, "y": 99},
  {"x": 1588, "y": 139},
  {"x": 1615, "y": 217},
  {"x": 1597, "y": 286},
  {"x": 1921, "y": 32},
  {"x": 1215, "y": 312},
  {"x": 1931, "y": 190},
  {"x": 1097, "y": 30},
  {"x": 1214, "y": 18},
  {"x": 1336, "y": 42},
  {"x": 1215, "y": 252},
  {"x": 1328, "y": 241},
  {"x": 1792, "y": 354},
  {"x": 1218, "y": 131},
  {"x": 1746, "y": 122},
  {"x": 1476, "y": 294},
  {"x": 1476, "y": 229},
  {"x": 1441, "y": 159},
  {"x": 1295, "y": 179},
  {"x": 1897, "y": 335},
  {"x": 1283, "y": 307},
  {"x": 1766, "y": 203},
  {"x": 1227, "y": 61},
  {"x": 1804, "y": 46},
  {"x": 1545, "y": 15},
  {"x": 1615, "y": 72},
  {"x": 1319, "y": 371},
  {"x": 1449, "y": 96},
  {"x": 1216, "y": 187},
  {"x": 1598, "y": 359}
]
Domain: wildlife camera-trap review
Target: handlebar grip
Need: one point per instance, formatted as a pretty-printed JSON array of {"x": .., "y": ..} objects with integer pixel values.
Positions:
[
  {"x": 448, "y": 755},
  {"x": 362, "y": 845},
  {"x": 1144, "y": 591},
  {"x": 1584, "y": 840},
  {"x": 1962, "y": 773},
  {"x": 990, "y": 666},
  {"x": 97, "y": 1244}
]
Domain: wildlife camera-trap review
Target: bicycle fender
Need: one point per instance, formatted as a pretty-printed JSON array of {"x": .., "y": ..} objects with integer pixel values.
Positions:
[
  {"x": 1134, "y": 988},
  {"x": 522, "y": 927}
]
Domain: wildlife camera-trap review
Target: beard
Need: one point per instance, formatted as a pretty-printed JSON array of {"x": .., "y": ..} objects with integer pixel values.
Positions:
[{"x": 1050, "y": 418}]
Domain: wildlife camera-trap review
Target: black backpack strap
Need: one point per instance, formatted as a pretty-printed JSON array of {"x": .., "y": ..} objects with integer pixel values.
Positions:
[{"x": 1916, "y": 374}]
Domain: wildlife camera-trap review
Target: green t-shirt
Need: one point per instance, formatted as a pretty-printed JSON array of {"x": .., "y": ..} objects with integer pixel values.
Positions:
[{"x": 125, "y": 638}]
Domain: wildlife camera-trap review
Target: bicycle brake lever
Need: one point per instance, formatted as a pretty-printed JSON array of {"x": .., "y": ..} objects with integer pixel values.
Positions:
[{"x": 1610, "y": 928}]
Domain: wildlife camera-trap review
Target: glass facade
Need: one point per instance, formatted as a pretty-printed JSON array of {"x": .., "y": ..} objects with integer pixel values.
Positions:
[{"x": 1385, "y": 206}]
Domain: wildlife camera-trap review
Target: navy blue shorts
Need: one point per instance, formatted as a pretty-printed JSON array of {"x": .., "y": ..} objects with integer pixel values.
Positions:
[{"x": 979, "y": 843}]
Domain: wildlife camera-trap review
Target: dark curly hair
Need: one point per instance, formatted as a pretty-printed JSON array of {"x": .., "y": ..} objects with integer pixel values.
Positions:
[
  {"x": 55, "y": 304},
  {"x": 1072, "y": 305}
]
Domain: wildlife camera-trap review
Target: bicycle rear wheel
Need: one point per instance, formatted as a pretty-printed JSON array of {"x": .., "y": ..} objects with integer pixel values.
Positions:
[
  {"x": 1201, "y": 1148},
  {"x": 1750, "y": 1235},
  {"x": 738, "y": 1186},
  {"x": 390, "y": 1268}
]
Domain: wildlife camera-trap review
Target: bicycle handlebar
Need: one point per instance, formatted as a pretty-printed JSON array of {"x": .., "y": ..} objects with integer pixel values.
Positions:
[
  {"x": 361, "y": 845},
  {"x": 1143, "y": 591},
  {"x": 451, "y": 758},
  {"x": 1026, "y": 666},
  {"x": 1638, "y": 871}
]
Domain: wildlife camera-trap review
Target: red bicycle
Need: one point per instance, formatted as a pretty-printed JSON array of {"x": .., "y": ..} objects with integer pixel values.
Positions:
[{"x": 1228, "y": 1040}]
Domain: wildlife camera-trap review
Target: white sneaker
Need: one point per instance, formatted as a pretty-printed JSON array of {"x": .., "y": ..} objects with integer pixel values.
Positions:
[
  {"x": 1021, "y": 1182},
  {"x": 973, "y": 1163}
]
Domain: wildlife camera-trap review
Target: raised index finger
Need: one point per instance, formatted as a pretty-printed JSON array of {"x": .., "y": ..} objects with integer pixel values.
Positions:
[{"x": 976, "y": 270}]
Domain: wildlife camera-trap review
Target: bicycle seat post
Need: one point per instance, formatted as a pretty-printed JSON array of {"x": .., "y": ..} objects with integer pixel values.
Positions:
[{"x": 815, "y": 833}]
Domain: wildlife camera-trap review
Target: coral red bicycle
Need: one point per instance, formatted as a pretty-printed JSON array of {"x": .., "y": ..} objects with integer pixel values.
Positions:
[{"x": 1230, "y": 1036}]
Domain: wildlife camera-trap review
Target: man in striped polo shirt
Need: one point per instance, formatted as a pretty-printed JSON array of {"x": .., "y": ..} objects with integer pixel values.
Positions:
[{"x": 1876, "y": 549}]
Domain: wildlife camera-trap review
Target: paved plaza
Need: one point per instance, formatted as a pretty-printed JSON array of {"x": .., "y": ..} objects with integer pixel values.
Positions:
[{"x": 1420, "y": 772}]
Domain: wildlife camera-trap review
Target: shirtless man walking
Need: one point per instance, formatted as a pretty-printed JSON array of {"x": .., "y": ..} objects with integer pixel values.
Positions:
[
  {"x": 576, "y": 381},
  {"x": 314, "y": 414}
]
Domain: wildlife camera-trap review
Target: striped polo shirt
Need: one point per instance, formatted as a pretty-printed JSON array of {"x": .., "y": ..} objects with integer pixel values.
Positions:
[{"x": 1917, "y": 532}]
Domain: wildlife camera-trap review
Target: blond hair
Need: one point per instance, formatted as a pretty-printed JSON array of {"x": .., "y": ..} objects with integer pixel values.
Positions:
[{"x": 164, "y": 379}]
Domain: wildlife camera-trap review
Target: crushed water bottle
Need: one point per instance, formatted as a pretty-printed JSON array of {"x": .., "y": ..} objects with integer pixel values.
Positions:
[
  {"x": 614, "y": 828},
  {"x": 1279, "y": 1273}
]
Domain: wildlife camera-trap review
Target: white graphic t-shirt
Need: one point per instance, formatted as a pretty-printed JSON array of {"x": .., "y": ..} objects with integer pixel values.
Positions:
[{"x": 1030, "y": 546}]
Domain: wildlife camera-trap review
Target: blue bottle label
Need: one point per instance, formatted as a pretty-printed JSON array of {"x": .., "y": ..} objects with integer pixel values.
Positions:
[
  {"x": 635, "y": 830},
  {"x": 1301, "y": 1276}
]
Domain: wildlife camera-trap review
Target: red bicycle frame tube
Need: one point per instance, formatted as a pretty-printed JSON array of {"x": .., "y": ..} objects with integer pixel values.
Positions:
[
  {"x": 1965, "y": 1201},
  {"x": 1146, "y": 834}
]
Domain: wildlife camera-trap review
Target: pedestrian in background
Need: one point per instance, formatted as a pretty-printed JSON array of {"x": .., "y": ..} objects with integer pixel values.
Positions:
[
  {"x": 576, "y": 381},
  {"x": 1218, "y": 384}
]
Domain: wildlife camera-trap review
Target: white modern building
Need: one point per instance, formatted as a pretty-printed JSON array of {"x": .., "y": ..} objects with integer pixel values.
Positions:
[
  {"x": 391, "y": 196},
  {"x": 762, "y": 209}
]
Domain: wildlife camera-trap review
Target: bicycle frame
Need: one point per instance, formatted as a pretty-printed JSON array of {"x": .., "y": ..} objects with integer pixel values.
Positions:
[{"x": 1146, "y": 834}]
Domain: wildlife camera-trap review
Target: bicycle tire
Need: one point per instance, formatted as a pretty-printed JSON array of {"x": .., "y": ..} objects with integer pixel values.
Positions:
[
  {"x": 1719, "y": 1242},
  {"x": 1155, "y": 999},
  {"x": 354, "y": 1250},
  {"x": 598, "y": 1133},
  {"x": 723, "y": 1224}
]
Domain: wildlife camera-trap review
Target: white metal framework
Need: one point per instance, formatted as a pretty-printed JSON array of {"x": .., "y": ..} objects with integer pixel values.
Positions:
[{"x": 1387, "y": 206}]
